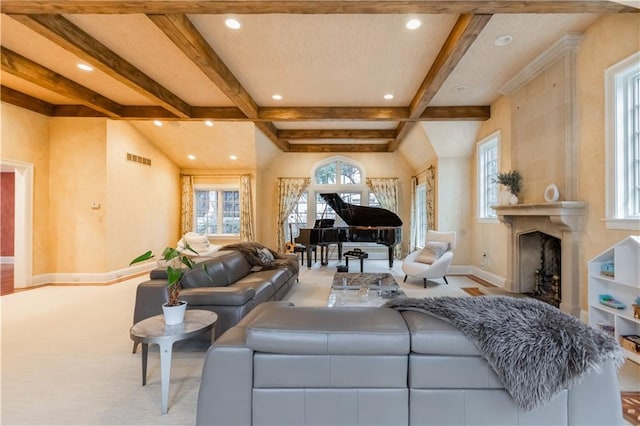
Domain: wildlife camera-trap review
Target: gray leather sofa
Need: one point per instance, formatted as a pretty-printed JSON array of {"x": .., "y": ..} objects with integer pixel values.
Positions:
[
  {"x": 285, "y": 365},
  {"x": 228, "y": 287}
]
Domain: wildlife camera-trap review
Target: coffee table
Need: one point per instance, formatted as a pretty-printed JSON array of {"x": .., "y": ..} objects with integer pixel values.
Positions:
[
  {"x": 363, "y": 289},
  {"x": 154, "y": 331}
]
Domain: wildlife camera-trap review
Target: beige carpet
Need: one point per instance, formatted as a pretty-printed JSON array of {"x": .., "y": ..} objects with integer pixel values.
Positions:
[{"x": 66, "y": 354}]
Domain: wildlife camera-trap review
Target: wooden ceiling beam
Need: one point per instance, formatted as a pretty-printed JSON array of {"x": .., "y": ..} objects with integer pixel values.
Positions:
[
  {"x": 457, "y": 113},
  {"x": 313, "y": 7},
  {"x": 327, "y": 147},
  {"x": 70, "y": 37},
  {"x": 271, "y": 132},
  {"x": 26, "y": 69},
  {"x": 296, "y": 134},
  {"x": 333, "y": 113},
  {"x": 462, "y": 35},
  {"x": 25, "y": 101},
  {"x": 187, "y": 38}
]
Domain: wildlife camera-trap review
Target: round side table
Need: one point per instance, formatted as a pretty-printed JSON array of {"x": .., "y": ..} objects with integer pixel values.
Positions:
[{"x": 154, "y": 331}]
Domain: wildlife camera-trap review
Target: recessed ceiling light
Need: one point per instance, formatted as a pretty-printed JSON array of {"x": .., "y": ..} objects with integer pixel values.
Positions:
[
  {"x": 234, "y": 24},
  {"x": 388, "y": 96},
  {"x": 191, "y": 157},
  {"x": 233, "y": 157},
  {"x": 277, "y": 97},
  {"x": 460, "y": 88},
  {"x": 157, "y": 123},
  {"x": 413, "y": 24},
  {"x": 208, "y": 123},
  {"x": 503, "y": 40},
  {"x": 85, "y": 67}
]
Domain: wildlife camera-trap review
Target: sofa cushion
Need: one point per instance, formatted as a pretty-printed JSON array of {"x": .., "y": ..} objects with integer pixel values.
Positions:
[
  {"x": 433, "y": 336},
  {"x": 432, "y": 251},
  {"x": 210, "y": 296},
  {"x": 210, "y": 273},
  {"x": 264, "y": 290},
  {"x": 332, "y": 331}
]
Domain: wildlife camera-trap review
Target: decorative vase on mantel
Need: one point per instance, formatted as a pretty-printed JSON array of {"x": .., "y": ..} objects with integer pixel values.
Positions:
[
  {"x": 506, "y": 198},
  {"x": 174, "y": 314}
]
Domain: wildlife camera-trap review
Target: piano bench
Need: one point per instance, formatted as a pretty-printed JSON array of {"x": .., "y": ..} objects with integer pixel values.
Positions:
[
  {"x": 356, "y": 254},
  {"x": 300, "y": 248}
]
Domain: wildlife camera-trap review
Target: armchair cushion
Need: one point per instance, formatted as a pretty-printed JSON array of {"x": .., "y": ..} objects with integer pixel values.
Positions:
[{"x": 432, "y": 251}]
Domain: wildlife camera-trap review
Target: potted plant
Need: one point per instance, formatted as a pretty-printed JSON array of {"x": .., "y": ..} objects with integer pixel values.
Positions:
[
  {"x": 174, "y": 309},
  {"x": 513, "y": 182}
]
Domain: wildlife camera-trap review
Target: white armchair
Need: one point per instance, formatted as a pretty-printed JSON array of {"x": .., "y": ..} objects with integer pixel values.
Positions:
[{"x": 414, "y": 266}]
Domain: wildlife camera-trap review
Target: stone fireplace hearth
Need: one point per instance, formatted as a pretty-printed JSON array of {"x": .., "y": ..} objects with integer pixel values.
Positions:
[{"x": 560, "y": 220}]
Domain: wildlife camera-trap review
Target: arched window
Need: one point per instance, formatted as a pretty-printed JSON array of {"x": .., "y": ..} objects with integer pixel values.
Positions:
[{"x": 338, "y": 174}]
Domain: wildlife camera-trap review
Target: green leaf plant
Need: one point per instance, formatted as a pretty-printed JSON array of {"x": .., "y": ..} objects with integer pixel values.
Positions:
[
  {"x": 511, "y": 180},
  {"x": 175, "y": 261}
]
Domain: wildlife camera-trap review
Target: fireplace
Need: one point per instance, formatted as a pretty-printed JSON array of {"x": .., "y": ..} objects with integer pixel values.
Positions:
[
  {"x": 549, "y": 233},
  {"x": 539, "y": 266}
]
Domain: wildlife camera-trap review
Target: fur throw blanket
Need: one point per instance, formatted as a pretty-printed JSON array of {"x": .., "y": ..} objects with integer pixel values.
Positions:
[
  {"x": 535, "y": 349},
  {"x": 258, "y": 255}
]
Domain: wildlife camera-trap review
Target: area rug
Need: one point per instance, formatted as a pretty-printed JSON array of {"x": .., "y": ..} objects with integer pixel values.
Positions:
[{"x": 631, "y": 407}]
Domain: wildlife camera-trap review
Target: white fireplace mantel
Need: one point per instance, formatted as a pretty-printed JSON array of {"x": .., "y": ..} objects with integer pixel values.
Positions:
[
  {"x": 562, "y": 219},
  {"x": 567, "y": 215}
]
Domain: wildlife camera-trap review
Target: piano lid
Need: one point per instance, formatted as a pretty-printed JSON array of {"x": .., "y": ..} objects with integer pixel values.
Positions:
[{"x": 354, "y": 215}]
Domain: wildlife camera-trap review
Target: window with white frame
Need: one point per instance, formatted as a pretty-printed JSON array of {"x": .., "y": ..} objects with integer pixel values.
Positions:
[
  {"x": 338, "y": 175},
  {"x": 623, "y": 144},
  {"x": 421, "y": 214},
  {"x": 216, "y": 210},
  {"x": 488, "y": 161}
]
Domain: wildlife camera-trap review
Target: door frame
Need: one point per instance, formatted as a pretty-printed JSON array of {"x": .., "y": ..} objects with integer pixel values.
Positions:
[{"x": 23, "y": 232}]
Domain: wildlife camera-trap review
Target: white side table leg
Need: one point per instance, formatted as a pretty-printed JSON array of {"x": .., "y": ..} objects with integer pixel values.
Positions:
[{"x": 165, "y": 367}]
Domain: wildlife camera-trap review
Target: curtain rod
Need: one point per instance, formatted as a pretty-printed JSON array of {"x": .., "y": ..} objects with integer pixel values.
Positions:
[
  {"x": 428, "y": 169},
  {"x": 220, "y": 175}
]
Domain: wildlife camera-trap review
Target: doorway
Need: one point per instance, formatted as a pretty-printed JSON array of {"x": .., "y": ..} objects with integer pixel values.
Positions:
[{"x": 21, "y": 261}]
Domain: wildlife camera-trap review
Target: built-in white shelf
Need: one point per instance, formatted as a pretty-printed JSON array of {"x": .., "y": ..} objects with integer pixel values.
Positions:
[{"x": 623, "y": 286}]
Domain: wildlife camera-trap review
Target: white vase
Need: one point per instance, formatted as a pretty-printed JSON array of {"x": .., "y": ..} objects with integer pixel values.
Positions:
[
  {"x": 513, "y": 199},
  {"x": 174, "y": 314},
  {"x": 504, "y": 198}
]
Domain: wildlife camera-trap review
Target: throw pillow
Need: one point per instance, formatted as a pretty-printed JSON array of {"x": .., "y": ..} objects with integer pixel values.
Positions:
[
  {"x": 265, "y": 255},
  {"x": 432, "y": 251}
]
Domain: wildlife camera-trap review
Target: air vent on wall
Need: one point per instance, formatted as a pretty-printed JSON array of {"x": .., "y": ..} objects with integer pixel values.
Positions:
[{"x": 138, "y": 159}]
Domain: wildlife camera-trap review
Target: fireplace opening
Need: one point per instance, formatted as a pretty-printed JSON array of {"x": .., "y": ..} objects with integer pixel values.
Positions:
[{"x": 539, "y": 266}]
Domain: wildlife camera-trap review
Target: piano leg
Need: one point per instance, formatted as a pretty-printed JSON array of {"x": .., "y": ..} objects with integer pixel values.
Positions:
[
  {"x": 309, "y": 249},
  {"x": 390, "y": 248}
]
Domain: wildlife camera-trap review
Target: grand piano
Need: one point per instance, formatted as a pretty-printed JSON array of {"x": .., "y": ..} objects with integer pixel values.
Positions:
[{"x": 364, "y": 225}]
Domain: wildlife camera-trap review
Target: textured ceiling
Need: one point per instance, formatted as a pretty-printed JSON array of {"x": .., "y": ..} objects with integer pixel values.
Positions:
[{"x": 338, "y": 62}]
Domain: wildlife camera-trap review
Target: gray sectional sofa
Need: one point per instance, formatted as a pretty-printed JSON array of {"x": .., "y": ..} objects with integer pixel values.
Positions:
[
  {"x": 230, "y": 286},
  {"x": 286, "y": 365}
]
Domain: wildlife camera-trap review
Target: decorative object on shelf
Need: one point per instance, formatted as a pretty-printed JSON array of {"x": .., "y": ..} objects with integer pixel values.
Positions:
[
  {"x": 631, "y": 343},
  {"x": 513, "y": 182},
  {"x": 610, "y": 301},
  {"x": 636, "y": 308},
  {"x": 607, "y": 269},
  {"x": 551, "y": 194},
  {"x": 174, "y": 309}
]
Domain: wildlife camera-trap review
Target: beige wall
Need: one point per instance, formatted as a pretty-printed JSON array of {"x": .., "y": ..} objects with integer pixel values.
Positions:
[
  {"x": 605, "y": 43},
  {"x": 453, "y": 203},
  {"x": 141, "y": 207},
  {"x": 25, "y": 138},
  {"x": 491, "y": 238},
  {"x": 300, "y": 165}
]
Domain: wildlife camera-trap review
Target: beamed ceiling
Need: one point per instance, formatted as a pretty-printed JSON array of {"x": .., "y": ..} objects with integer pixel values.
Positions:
[{"x": 331, "y": 61}]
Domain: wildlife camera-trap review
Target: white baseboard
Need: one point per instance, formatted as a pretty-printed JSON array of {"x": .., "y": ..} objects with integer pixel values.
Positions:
[
  {"x": 92, "y": 278},
  {"x": 7, "y": 260},
  {"x": 494, "y": 279}
]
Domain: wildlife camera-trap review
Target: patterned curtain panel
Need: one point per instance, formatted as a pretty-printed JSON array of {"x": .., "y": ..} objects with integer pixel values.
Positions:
[
  {"x": 246, "y": 216},
  {"x": 186, "y": 208},
  {"x": 431, "y": 198},
  {"x": 386, "y": 191},
  {"x": 413, "y": 241},
  {"x": 289, "y": 191}
]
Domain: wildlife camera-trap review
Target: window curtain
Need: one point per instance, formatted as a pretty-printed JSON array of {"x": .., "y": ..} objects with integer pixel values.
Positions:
[
  {"x": 246, "y": 216},
  {"x": 413, "y": 237},
  {"x": 386, "y": 191},
  {"x": 186, "y": 204},
  {"x": 431, "y": 198},
  {"x": 289, "y": 191}
]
